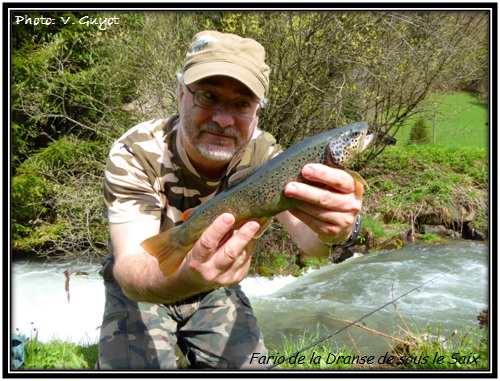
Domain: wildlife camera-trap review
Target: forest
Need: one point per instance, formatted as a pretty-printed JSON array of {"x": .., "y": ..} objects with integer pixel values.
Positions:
[{"x": 79, "y": 80}]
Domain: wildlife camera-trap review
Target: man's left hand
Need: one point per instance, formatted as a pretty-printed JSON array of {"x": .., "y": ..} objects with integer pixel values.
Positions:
[{"x": 329, "y": 211}]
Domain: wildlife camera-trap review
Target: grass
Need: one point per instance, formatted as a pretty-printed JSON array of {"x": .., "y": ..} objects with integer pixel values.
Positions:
[
  {"x": 375, "y": 226},
  {"x": 292, "y": 356},
  {"x": 428, "y": 351},
  {"x": 418, "y": 351},
  {"x": 411, "y": 351},
  {"x": 420, "y": 178},
  {"x": 57, "y": 354},
  {"x": 461, "y": 120},
  {"x": 449, "y": 179}
]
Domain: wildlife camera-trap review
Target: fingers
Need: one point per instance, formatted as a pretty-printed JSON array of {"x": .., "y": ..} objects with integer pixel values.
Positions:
[
  {"x": 329, "y": 211},
  {"x": 332, "y": 224},
  {"x": 213, "y": 236},
  {"x": 235, "y": 246},
  {"x": 342, "y": 192},
  {"x": 220, "y": 260},
  {"x": 335, "y": 178}
]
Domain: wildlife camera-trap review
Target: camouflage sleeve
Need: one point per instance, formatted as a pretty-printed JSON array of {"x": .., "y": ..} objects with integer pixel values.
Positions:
[
  {"x": 274, "y": 148},
  {"x": 132, "y": 189}
]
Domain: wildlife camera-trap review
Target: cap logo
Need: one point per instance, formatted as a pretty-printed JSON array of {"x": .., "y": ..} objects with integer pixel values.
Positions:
[{"x": 202, "y": 43}]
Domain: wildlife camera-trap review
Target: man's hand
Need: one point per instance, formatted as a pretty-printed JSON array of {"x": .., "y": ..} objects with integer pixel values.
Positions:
[
  {"x": 217, "y": 260},
  {"x": 214, "y": 261},
  {"x": 331, "y": 211}
]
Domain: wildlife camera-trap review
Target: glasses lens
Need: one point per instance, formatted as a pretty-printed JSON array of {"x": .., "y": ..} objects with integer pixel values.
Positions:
[
  {"x": 245, "y": 107},
  {"x": 210, "y": 100}
]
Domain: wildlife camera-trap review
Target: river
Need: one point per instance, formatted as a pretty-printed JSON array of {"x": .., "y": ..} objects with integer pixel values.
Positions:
[{"x": 314, "y": 305}]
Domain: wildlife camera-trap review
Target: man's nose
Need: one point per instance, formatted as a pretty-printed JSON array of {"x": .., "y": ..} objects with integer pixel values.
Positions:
[{"x": 224, "y": 116}]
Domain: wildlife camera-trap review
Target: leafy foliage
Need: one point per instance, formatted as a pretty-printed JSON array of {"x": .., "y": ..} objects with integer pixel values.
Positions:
[
  {"x": 76, "y": 88},
  {"x": 64, "y": 82},
  {"x": 56, "y": 196}
]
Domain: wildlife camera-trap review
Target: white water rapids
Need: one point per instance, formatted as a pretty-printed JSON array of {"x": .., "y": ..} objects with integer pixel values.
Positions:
[{"x": 318, "y": 303}]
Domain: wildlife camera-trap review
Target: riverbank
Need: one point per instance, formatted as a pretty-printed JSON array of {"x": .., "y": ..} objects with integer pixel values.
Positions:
[
  {"x": 424, "y": 186},
  {"x": 416, "y": 192}
]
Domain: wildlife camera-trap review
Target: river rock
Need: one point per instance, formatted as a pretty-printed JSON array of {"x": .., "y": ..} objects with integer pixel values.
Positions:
[
  {"x": 435, "y": 217},
  {"x": 393, "y": 243},
  {"x": 435, "y": 229},
  {"x": 475, "y": 231}
]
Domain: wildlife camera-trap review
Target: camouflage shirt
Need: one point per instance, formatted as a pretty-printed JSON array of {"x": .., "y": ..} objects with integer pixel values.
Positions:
[{"x": 149, "y": 176}]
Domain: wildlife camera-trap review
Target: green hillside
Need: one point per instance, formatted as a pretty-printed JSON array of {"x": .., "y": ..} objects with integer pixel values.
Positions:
[{"x": 461, "y": 119}]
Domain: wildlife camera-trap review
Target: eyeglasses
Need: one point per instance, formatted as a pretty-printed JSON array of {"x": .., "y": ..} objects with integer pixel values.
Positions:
[{"x": 210, "y": 100}]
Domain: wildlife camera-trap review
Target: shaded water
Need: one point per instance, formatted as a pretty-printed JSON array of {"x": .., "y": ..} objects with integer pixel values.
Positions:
[{"x": 317, "y": 303}]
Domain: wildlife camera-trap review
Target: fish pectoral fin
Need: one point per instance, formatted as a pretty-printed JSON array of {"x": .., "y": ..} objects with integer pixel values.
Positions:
[
  {"x": 356, "y": 176},
  {"x": 264, "y": 223},
  {"x": 187, "y": 213},
  {"x": 168, "y": 253},
  {"x": 241, "y": 175}
]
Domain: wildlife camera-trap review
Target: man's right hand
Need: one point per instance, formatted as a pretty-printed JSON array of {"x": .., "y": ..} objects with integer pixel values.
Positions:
[{"x": 216, "y": 260}]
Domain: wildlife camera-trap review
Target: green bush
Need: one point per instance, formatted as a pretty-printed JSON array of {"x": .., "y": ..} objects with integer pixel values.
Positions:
[
  {"x": 420, "y": 133},
  {"x": 28, "y": 193},
  {"x": 56, "y": 196}
]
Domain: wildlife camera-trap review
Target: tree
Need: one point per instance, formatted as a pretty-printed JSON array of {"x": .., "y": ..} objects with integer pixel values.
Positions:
[
  {"x": 67, "y": 108},
  {"x": 420, "y": 133},
  {"x": 75, "y": 89},
  {"x": 332, "y": 68},
  {"x": 65, "y": 81}
]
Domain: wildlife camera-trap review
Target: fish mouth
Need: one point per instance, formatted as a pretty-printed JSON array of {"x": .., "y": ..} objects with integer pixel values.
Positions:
[{"x": 368, "y": 139}]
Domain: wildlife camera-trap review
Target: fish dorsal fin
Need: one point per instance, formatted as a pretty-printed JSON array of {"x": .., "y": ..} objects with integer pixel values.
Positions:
[
  {"x": 239, "y": 176},
  {"x": 187, "y": 213}
]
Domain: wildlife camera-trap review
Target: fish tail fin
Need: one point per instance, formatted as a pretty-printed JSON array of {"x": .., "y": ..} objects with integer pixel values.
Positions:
[{"x": 167, "y": 250}]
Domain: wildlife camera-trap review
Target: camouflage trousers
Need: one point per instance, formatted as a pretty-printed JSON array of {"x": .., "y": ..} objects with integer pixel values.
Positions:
[{"x": 213, "y": 330}]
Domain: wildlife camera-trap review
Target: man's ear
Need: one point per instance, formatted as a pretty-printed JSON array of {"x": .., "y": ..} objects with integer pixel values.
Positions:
[{"x": 181, "y": 95}]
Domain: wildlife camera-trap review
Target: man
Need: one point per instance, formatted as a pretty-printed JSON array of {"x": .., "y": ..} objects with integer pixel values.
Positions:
[{"x": 161, "y": 168}]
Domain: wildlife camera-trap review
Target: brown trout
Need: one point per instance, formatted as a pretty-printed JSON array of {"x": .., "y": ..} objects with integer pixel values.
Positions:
[{"x": 260, "y": 195}]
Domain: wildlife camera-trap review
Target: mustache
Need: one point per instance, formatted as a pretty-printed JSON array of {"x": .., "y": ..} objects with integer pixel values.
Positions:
[{"x": 214, "y": 127}]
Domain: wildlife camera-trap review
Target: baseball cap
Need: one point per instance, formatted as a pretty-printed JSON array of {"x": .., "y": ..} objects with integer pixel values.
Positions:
[{"x": 214, "y": 53}]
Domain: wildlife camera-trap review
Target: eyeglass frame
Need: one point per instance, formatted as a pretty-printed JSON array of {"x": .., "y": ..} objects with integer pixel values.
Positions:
[{"x": 223, "y": 100}]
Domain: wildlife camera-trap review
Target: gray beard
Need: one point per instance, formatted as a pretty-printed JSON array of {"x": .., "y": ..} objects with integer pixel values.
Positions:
[{"x": 214, "y": 153}]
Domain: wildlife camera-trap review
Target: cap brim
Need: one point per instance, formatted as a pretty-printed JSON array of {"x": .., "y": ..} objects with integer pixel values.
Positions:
[{"x": 210, "y": 69}]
